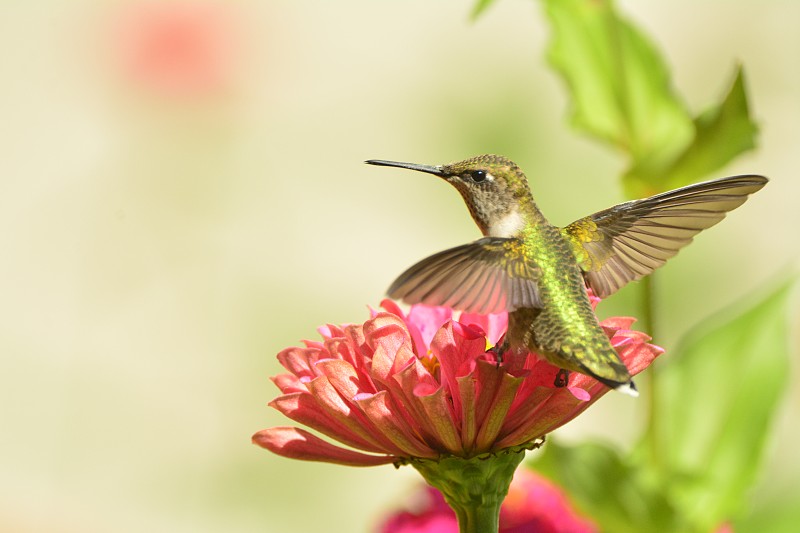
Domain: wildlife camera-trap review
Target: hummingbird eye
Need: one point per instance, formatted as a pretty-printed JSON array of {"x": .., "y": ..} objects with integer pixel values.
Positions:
[{"x": 478, "y": 175}]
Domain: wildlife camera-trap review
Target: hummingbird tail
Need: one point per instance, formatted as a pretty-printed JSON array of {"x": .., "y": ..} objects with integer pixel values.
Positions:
[
  {"x": 628, "y": 388},
  {"x": 625, "y": 387},
  {"x": 623, "y": 384}
]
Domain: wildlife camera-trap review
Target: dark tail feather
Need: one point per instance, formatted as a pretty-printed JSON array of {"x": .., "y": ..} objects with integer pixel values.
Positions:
[{"x": 626, "y": 387}]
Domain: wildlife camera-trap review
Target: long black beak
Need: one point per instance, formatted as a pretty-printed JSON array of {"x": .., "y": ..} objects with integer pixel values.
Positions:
[{"x": 436, "y": 171}]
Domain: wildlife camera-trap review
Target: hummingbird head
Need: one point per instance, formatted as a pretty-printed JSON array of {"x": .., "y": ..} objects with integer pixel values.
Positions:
[{"x": 493, "y": 187}]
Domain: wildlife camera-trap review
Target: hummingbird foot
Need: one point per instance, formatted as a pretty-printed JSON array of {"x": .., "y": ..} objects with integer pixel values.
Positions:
[
  {"x": 498, "y": 350},
  {"x": 561, "y": 378}
]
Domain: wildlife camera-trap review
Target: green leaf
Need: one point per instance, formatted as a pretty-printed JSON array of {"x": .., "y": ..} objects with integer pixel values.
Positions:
[
  {"x": 619, "y": 84},
  {"x": 719, "y": 394},
  {"x": 621, "y": 94},
  {"x": 722, "y": 133},
  {"x": 480, "y": 7},
  {"x": 775, "y": 517},
  {"x": 607, "y": 488}
]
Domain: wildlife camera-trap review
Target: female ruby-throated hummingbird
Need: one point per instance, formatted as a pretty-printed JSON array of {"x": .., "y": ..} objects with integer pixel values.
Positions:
[{"x": 539, "y": 272}]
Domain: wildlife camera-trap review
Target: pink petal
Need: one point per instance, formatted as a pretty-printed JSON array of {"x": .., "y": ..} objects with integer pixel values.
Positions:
[
  {"x": 541, "y": 377},
  {"x": 356, "y": 353},
  {"x": 335, "y": 331},
  {"x": 344, "y": 378},
  {"x": 457, "y": 347},
  {"x": 488, "y": 378},
  {"x": 392, "y": 355},
  {"x": 493, "y": 420},
  {"x": 638, "y": 355},
  {"x": 419, "y": 378},
  {"x": 409, "y": 522},
  {"x": 336, "y": 347},
  {"x": 559, "y": 408},
  {"x": 493, "y": 324},
  {"x": 295, "y": 443},
  {"x": 304, "y": 409},
  {"x": 428, "y": 319},
  {"x": 522, "y": 411},
  {"x": 580, "y": 394},
  {"x": 535, "y": 504},
  {"x": 388, "y": 337},
  {"x": 419, "y": 346},
  {"x": 465, "y": 401},
  {"x": 618, "y": 322},
  {"x": 439, "y": 414},
  {"x": 384, "y": 324},
  {"x": 288, "y": 383},
  {"x": 299, "y": 361},
  {"x": 381, "y": 411},
  {"x": 391, "y": 307},
  {"x": 428, "y": 407},
  {"x": 343, "y": 412}
]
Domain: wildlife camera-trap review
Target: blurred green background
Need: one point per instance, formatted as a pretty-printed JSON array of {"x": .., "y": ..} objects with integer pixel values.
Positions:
[{"x": 184, "y": 196}]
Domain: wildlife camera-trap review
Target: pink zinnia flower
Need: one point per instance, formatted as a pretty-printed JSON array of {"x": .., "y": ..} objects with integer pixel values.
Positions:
[
  {"x": 421, "y": 385},
  {"x": 533, "y": 505}
]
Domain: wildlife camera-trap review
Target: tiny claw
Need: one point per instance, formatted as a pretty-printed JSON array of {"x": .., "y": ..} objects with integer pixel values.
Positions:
[
  {"x": 498, "y": 350},
  {"x": 561, "y": 378}
]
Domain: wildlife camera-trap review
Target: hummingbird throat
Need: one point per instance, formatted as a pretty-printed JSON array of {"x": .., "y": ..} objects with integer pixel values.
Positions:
[{"x": 509, "y": 225}]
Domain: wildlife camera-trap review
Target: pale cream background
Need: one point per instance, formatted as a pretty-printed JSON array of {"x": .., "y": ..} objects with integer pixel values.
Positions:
[{"x": 157, "y": 253}]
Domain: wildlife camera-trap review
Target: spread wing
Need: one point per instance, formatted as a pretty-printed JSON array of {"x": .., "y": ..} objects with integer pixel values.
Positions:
[
  {"x": 628, "y": 241},
  {"x": 489, "y": 275}
]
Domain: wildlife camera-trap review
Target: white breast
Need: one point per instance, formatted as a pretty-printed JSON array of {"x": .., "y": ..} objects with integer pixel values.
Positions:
[{"x": 508, "y": 226}]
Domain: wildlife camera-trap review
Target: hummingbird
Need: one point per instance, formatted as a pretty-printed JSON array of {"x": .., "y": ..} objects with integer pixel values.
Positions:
[{"x": 539, "y": 273}]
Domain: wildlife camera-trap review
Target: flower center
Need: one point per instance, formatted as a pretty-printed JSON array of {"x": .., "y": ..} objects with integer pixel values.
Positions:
[{"x": 431, "y": 364}]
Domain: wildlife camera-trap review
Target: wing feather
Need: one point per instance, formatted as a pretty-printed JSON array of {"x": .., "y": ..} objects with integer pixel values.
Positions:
[
  {"x": 490, "y": 275},
  {"x": 628, "y": 241}
]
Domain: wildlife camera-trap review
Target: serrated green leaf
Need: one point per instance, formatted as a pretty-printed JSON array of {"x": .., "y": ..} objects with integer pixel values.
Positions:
[
  {"x": 722, "y": 133},
  {"x": 619, "y": 84},
  {"x": 607, "y": 488},
  {"x": 480, "y": 7},
  {"x": 719, "y": 394}
]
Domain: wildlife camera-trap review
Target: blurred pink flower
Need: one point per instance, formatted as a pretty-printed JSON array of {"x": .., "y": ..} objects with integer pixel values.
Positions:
[
  {"x": 177, "y": 49},
  {"x": 422, "y": 385},
  {"x": 533, "y": 505}
]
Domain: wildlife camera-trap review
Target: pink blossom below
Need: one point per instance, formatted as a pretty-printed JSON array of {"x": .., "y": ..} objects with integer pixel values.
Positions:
[
  {"x": 422, "y": 385},
  {"x": 533, "y": 505}
]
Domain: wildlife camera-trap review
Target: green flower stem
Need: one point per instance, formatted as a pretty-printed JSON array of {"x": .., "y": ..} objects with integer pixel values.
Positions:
[
  {"x": 648, "y": 319},
  {"x": 474, "y": 488}
]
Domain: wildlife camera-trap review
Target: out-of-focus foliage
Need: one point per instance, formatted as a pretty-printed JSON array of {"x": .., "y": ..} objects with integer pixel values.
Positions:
[
  {"x": 622, "y": 94},
  {"x": 719, "y": 394},
  {"x": 721, "y": 133},
  {"x": 608, "y": 487},
  {"x": 619, "y": 84},
  {"x": 480, "y": 7},
  {"x": 776, "y": 517}
]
